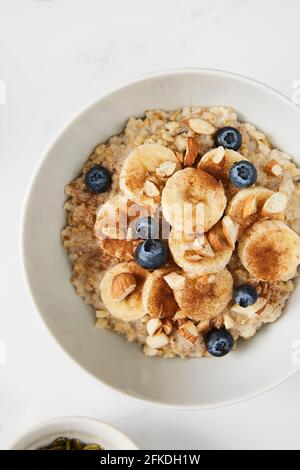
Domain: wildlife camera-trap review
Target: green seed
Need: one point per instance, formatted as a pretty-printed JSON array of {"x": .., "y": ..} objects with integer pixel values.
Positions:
[
  {"x": 60, "y": 441},
  {"x": 92, "y": 447},
  {"x": 76, "y": 444}
]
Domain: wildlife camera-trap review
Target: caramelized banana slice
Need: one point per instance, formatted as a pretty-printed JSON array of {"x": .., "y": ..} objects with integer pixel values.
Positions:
[
  {"x": 205, "y": 297},
  {"x": 270, "y": 251},
  {"x": 218, "y": 162},
  {"x": 250, "y": 205},
  {"x": 200, "y": 257},
  {"x": 145, "y": 172},
  {"x": 192, "y": 197},
  {"x": 121, "y": 290}
]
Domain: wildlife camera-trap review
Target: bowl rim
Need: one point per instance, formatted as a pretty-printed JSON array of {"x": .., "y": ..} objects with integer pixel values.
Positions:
[
  {"x": 39, "y": 430},
  {"x": 161, "y": 73}
]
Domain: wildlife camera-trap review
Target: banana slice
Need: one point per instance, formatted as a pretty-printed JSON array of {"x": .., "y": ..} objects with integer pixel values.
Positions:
[
  {"x": 270, "y": 251},
  {"x": 113, "y": 227},
  {"x": 218, "y": 162},
  {"x": 193, "y": 201},
  {"x": 250, "y": 205},
  {"x": 158, "y": 297},
  {"x": 121, "y": 290},
  {"x": 145, "y": 171},
  {"x": 205, "y": 297},
  {"x": 200, "y": 257}
]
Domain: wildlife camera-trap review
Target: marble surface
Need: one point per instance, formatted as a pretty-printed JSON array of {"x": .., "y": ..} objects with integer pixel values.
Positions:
[{"x": 55, "y": 57}]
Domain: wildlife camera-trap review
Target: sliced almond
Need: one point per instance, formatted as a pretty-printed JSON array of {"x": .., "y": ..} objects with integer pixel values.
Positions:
[
  {"x": 102, "y": 313},
  {"x": 189, "y": 331},
  {"x": 273, "y": 168},
  {"x": 166, "y": 169},
  {"x": 151, "y": 352},
  {"x": 201, "y": 127},
  {"x": 250, "y": 207},
  {"x": 175, "y": 281},
  {"x": 168, "y": 326},
  {"x": 219, "y": 155},
  {"x": 228, "y": 322},
  {"x": 192, "y": 257},
  {"x": 154, "y": 326},
  {"x": 203, "y": 326},
  {"x": 207, "y": 279},
  {"x": 230, "y": 230},
  {"x": 203, "y": 248},
  {"x": 215, "y": 241},
  {"x": 218, "y": 321},
  {"x": 122, "y": 285},
  {"x": 101, "y": 323},
  {"x": 150, "y": 189},
  {"x": 192, "y": 150},
  {"x": 276, "y": 204},
  {"x": 180, "y": 156},
  {"x": 158, "y": 341},
  {"x": 252, "y": 310},
  {"x": 179, "y": 315}
]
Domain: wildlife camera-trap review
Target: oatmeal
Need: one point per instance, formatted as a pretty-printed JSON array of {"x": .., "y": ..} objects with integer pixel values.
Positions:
[{"x": 188, "y": 292}]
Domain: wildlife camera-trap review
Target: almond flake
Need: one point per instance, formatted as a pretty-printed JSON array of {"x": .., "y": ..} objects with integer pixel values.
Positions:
[
  {"x": 273, "y": 168},
  {"x": 158, "y": 341},
  {"x": 203, "y": 326},
  {"x": 151, "y": 352},
  {"x": 230, "y": 230},
  {"x": 101, "y": 313},
  {"x": 192, "y": 257},
  {"x": 154, "y": 326},
  {"x": 168, "y": 326},
  {"x": 207, "y": 279},
  {"x": 179, "y": 315},
  {"x": 175, "y": 281},
  {"x": 166, "y": 169},
  {"x": 204, "y": 249},
  {"x": 101, "y": 323},
  {"x": 219, "y": 155},
  {"x": 201, "y": 127},
  {"x": 250, "y": 207},
  {"x": 252, "y": 310},
  {"x": 228, "y": 322},
  {"x": 275, "y": 204},
  {"x": 192, "y": 150},
  {"x": 150, "y": 189},
  {"x": 216, "y": 242},
  {"x": 189, "y": 331}
]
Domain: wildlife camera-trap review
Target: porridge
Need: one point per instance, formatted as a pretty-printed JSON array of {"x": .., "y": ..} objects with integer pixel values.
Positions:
[{"x": 159, "y": 279}]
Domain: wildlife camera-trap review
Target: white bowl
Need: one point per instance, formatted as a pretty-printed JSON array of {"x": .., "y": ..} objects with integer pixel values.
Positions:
[
  {"x": 88, "y": 430},
  {"x": 255, "y": 366}
]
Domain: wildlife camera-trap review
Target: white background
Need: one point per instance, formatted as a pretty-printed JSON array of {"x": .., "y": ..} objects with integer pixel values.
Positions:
[{"x": 55, "y": 57}]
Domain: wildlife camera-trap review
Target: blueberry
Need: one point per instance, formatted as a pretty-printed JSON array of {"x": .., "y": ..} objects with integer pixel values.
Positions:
[
  {"x": 245, "y": 296},
  {"x": 151, "y": 254},
  {"x": 147, "y": 227},
  {"x": 229, "y": 138},
  {"x": 219, "y": 342},
  {"x": 243, "y": 174},
  {"x": 98, "y": 179}
]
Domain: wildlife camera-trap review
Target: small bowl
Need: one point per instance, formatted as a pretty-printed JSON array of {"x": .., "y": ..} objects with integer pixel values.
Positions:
[
  {"x": 255, "y": 366},
  {"x": 88, "y": 430}
]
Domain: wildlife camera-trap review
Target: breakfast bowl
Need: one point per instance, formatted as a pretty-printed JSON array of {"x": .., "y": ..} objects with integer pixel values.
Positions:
[
  {"x": 250, "y": 370},
  {"x": 86, "y": 430}
]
